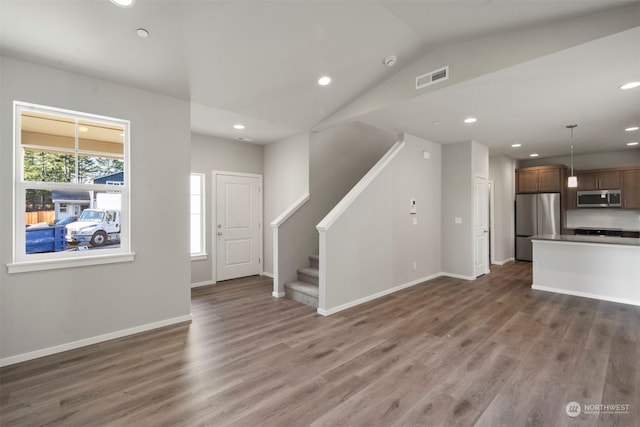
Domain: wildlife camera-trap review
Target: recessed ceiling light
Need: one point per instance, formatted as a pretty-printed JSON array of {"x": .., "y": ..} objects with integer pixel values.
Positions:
[
  {"x": 470, "y": 120},
  {"x": 123, "y": 3},
  {"x": 238, "y": 126},
  {"x": 83, "y": 129},
  {"x": 242, "y": 138},
  {"x": 631, "y": 129},
  {"x": 534, "y": 155},
  {"x": 630, "y": 85},
  {"x": 325, "y": 80},
  {"x": 632, "y": 143},
  {"x": 142, "y": 33},
  {"x": 516, "y": 145}
]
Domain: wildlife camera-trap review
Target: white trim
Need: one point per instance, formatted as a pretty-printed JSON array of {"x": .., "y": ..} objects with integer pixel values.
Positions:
[
  {"x": 368, "y": 298},
  {"x": 458, "y": 276},
  {"x": 266, "y": 273},
  {"x": 214, "y": 219},
  {"x": 586, "y": 295},
  {"x": 290, "y": 211},
  {"x": 277, "y": 294},
  {"x": 359, "y": 188},
  {"x": 92, "y": 340},
  {"x": 503, "y": 262},
  {"x": 205, "y": 283},
  {"x": 198, "y": 257},
  {"x": 54, "y": 264}
]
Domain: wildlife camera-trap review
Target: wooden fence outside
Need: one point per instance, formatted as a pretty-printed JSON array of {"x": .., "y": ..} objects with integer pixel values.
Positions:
[{"x": 39, "y": 216}]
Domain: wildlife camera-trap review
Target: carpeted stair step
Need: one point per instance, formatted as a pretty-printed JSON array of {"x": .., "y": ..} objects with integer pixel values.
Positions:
[
  {"x": 314, "y": 261},
  {"x": 303, "y": 292},
  {"x": 309, "y": 275}
]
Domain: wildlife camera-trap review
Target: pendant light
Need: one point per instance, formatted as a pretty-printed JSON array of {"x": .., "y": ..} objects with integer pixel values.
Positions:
[{"x": 573, "y": 180}]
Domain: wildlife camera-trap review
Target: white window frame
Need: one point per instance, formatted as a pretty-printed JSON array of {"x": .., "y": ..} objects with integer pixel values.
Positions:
[
  {"x": 202, "y": 253},
  {"x": 23, "y": 262}
]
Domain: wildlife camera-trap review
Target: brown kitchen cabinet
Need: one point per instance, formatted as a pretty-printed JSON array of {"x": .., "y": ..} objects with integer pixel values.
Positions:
[
  {"x": 631, "y": 189},
  {"x": 539, "y": 179},
  {"x": 600, "y": 180}
]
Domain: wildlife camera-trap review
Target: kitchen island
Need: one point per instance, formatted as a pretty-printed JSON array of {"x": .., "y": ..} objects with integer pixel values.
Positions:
[{"x": 600, "y": 267}]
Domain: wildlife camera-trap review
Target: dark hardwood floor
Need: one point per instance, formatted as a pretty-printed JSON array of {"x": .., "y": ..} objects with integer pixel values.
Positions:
[{"x": 447, "y": 352}]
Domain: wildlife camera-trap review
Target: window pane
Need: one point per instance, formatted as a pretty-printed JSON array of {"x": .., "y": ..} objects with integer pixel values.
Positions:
[
  {"x": 47, "y": 166},
  {"x": 101, "y": 138},
  {"x": 99, "y": 170},
  {"x": 196, "y": 233},
  {"x": 196, "y": 180},
  {"x": 195, "y": 204},
  {"x": 62, "y": 220},
  {"x": 53, "y": 133}
]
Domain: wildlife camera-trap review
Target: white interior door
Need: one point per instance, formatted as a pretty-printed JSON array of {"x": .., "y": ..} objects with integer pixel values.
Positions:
[
  {"x": 237, "y": 231},
  {"x": 481, "y": 227}
]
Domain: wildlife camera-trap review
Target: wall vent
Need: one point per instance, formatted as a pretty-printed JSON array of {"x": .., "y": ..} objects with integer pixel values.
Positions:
[{"x": 432, "y": 77}]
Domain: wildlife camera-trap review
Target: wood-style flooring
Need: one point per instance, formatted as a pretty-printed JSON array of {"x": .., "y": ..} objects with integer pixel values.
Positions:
[{"x": 447, "y": 352}]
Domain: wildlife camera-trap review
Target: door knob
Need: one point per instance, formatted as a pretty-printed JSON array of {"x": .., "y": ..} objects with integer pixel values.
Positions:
[{"x": 219, "y": 233}]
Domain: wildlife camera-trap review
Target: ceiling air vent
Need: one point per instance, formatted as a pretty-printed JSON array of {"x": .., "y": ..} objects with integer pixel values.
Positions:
[{"x": 432, "y": 77}]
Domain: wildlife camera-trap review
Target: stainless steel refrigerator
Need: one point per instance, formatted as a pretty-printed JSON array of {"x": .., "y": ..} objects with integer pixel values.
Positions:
[{"x": 535, "y": 214}]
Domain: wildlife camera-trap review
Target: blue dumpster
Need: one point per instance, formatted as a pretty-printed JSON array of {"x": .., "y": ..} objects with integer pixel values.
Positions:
[{"x": 45, "y": 239}]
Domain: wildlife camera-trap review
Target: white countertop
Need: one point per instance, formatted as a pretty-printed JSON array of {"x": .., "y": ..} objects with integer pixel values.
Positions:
[{"x": 626, "y": 241}]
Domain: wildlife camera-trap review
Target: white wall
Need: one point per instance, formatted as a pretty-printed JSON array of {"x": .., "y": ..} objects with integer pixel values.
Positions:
[
  {"x": 209, "y": 153},
  {"x": 457, "y": 197},
  {"x": 611, "y": 159},
  {"x": 461, "y": 163},
  {"x": 502, "y": 173},
  {"x": 286, "y": 179},
  {"x": 372, "y": 246},
  {"x": 48, "y": 310}
]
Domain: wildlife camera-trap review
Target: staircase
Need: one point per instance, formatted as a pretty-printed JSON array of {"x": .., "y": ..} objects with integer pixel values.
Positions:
[{"x": 305, "y": 289}]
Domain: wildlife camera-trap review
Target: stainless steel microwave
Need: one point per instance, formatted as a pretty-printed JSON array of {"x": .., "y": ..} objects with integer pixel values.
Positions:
[{"x": 600, "y": 199}]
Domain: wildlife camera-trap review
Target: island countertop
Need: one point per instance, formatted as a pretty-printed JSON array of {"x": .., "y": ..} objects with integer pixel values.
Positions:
[{"x": 609, "y": 240}]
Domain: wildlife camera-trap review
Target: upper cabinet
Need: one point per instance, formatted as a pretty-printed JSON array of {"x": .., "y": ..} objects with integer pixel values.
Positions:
[
  {"x": 599, "y": 180},
  {"x": 631, "y": 189},
  {"x": 539, "y": 179}
]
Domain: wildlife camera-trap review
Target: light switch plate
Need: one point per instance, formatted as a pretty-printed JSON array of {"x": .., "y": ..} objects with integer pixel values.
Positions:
[{"x": 458, "y": 220}]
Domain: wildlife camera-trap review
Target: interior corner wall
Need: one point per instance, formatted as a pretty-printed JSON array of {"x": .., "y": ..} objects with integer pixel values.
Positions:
[
  {"x": 45, "y": 310},
  {"x": 286, "y": 179},
  {"x": 457, "y": 202},
  {"x": 377, "y": 245},
  {"x": 209, "y": 153},
  {"x": 502, "y": 173}
]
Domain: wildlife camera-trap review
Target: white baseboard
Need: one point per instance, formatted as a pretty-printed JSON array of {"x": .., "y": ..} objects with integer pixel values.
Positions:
[
  {"x": 504, "y": 261},
  {"x": 93, "y": 340},
  {"x": 586, "y": 295},
  {"x": 457, "y": 276},
  {"x": 205, "y": 283},
  {"x": 277, "y": 294},
  {"x": 264, "y": 273},
  {"x": 342, "y": 307}
]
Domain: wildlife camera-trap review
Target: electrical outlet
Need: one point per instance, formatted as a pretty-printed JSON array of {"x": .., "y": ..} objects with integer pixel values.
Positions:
[
  {"x": 415, "y": 265},
  {"x": 458, "y": 220}
]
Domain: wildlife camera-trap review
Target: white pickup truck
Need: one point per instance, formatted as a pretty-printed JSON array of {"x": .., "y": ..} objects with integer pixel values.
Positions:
[{"x": 95, "y": 227}]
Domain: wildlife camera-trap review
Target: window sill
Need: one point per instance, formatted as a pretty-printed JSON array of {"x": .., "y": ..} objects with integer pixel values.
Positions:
[
  {"x": 54, "y": 264},
  {"x": 198, "y": 257}
]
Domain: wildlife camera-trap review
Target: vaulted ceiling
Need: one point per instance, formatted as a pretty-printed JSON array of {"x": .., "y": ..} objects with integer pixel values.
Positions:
[{"x": 525, "y": 69}]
